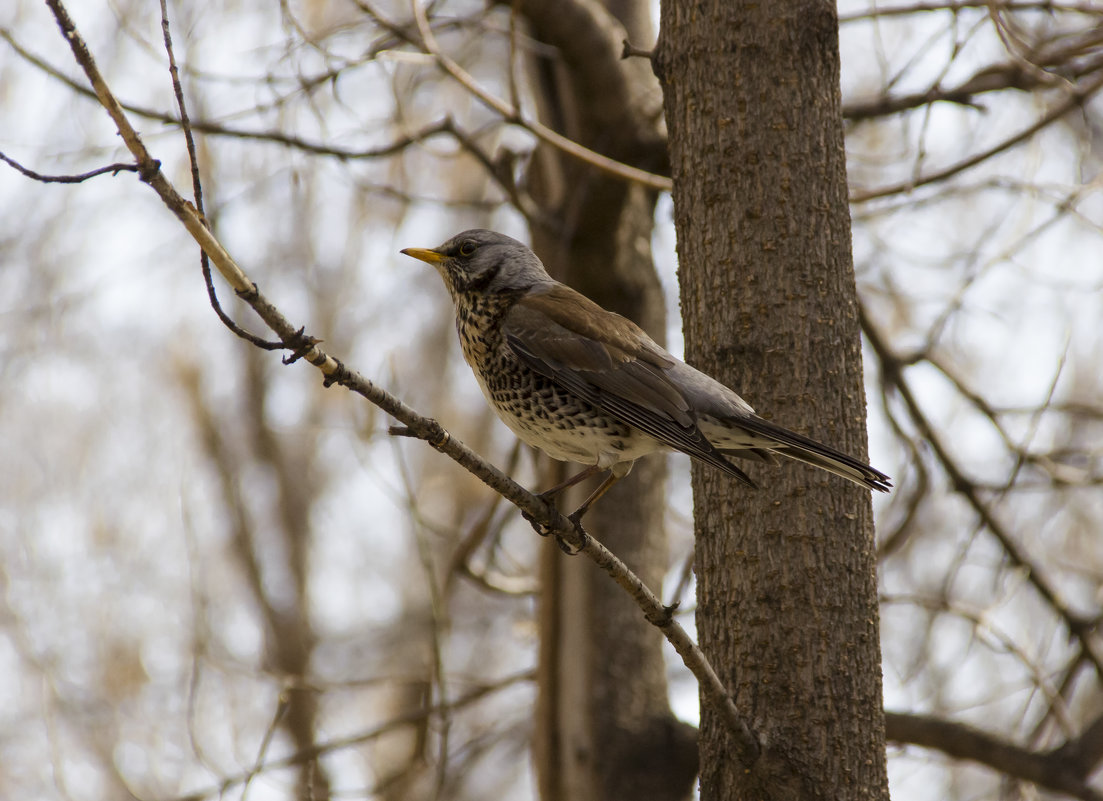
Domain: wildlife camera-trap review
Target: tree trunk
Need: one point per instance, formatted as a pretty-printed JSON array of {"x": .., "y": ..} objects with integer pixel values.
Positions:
[
  {"x": 787, "y": 594},
  {"x": 604, "y": 729}
]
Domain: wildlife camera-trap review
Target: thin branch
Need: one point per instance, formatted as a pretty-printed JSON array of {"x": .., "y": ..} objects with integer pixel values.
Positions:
[
  {"x": 197, "y": 190},
  {"x": 312, "y": 754},
  {"x": 662, "y": 617},
  {"x": 1046, "y": 6},
  {"x": 1079, "y": 626},
  {"x": 1045, "y": 66},
  {"x": 114, "y": 169},
  {"x": 1086, "y": 751},
  {"x": 1076, "y": 99},
  {"x": 515, "y": 116},
  {"x": 629, "y": 50},
  {"x": 262, "y": 752},
  {"x": 1052, "y": 770},
  {"x": 182, "y": 107},
  {"x": 212, "y": 128}
]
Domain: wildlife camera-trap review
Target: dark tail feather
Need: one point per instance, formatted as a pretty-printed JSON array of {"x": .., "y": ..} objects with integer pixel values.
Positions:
[
  {"x": 716, "y": 460},
  {"x": 797, "y": 446}
]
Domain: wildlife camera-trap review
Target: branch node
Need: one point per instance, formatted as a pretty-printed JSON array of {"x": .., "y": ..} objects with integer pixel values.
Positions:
[
  {"x": 631, "y": 51},
  {"x": 147, "y": 170},
  {"x": 436, "y": 436},
  {"x": 338, "y": 376},
  {"x": 663, "y": 618},
  {"x": 299, "y": 344},
  {"x": 250, "y": 294}
]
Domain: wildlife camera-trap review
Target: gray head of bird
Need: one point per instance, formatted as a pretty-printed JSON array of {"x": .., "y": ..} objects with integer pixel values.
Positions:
[{"x": 483, "y": 262}]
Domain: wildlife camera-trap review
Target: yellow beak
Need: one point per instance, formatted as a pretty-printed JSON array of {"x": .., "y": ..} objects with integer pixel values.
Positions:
[{"x": 427, "y": 256}]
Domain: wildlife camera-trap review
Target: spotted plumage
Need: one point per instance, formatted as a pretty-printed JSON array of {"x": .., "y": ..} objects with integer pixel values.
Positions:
[{"x": 586, "y": 385}]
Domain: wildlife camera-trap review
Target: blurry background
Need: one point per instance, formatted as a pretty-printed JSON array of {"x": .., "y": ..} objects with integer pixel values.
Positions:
[{"x": 208, "y": 562}]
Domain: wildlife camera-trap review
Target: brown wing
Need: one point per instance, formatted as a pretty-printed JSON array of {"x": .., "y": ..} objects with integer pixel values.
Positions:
[{"x": 610, "y": 362}]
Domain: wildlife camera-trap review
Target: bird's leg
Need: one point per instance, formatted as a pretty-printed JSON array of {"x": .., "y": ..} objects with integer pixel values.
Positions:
[
  {"x": 551, "y": 494},
  {"x": 576, "y": 516}
]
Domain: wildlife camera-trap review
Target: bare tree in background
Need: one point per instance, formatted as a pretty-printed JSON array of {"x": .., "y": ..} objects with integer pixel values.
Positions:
[{"x": 221, "y": 579}]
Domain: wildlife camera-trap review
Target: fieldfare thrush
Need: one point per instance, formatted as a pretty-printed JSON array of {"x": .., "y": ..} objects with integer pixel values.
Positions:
[{"x": 586, "y": 385}]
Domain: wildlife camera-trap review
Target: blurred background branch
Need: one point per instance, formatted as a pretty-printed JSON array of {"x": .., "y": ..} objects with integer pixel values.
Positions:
[{"x": 171, "y": 579}]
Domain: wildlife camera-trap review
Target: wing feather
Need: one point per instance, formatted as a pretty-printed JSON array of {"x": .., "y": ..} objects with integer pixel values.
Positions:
[{"x": 608, "y": 361}]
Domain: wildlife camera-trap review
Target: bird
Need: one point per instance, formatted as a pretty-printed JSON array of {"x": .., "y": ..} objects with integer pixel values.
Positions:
[{"x": 586, "y": 385}]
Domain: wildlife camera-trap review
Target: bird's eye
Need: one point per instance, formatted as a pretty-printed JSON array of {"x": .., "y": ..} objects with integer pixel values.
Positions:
[{"x": 467, "y": 248}]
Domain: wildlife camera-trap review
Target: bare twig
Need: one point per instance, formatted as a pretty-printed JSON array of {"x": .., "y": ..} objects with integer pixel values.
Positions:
[
  {"x": 310, "y": 755},
  {"x": 114, "y": 169},
  {"x": 955, "y": 6},
  {"x": 182, "y": 107},
  {"x": 631, "y": 51},
  {"x": 1052, "y": 770},
  {"x": 197, "y": 189},
  {"x": 439, "y": 624},
  {"x": 262, "y": 752},
  {"x": 210, "y": 127},
  {"x": 459, "y": 561},
  {"x": 516, "y": 117},
  {"x": 1079, "y": 626},
  {"x": 1075, "y": 100}
]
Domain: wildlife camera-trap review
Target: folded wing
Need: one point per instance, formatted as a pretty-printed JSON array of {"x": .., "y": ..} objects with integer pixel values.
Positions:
[{"x": 608, "y": 361}]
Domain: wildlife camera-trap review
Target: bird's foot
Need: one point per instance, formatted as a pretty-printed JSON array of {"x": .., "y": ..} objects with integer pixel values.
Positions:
[
  {"x": 583, "y": 537},
  {"x": 572, "y": 550},
  {"x": 544, "y": 530},
  {"x": 539, "y": 527}
]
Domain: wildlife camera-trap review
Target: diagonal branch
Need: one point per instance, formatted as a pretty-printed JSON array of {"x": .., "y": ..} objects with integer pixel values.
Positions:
[
  {"x": 213, "y": 128},
  {"x": 1079, "y": 626},
  {"x": 514, "y": 115},
  {"x": 1086, "y": 751},
  {"x": 1053, "y": 770},
  {"x": 351, "y": 741},
  {"x": 418, "y": 425},
  {"x": 1076, "y": 99},
  {"x": 955, "y": 6}
]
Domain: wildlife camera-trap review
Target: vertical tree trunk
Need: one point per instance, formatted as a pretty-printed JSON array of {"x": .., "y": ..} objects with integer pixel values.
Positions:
[
  {"x": 604, "y": 728},
  {"x": 786, "y": 582}
]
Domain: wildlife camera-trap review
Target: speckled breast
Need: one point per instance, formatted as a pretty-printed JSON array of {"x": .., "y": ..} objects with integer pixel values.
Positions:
[{"x": 536, "y": 409}]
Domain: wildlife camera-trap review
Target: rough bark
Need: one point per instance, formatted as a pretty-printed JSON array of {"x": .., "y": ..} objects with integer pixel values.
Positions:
[
  {"x": 786, "y": 586},
  {"x": 604, "y": 728}
]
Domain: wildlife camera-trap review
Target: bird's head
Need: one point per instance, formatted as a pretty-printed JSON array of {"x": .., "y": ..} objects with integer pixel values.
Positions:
[{"x": 483, "y": 262}]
